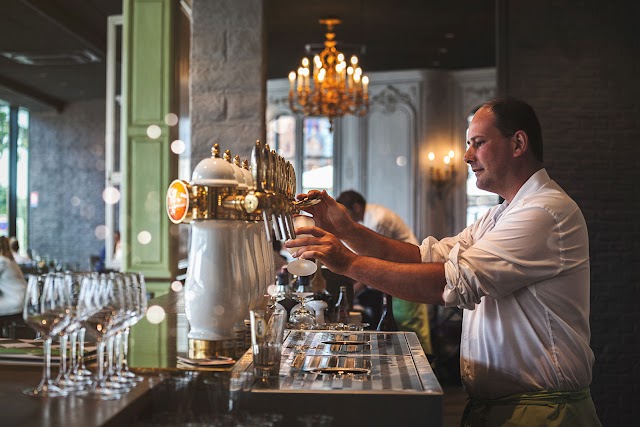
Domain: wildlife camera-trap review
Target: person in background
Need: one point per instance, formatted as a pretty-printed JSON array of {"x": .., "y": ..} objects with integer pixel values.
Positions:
[
  {"x": 15, "y": 251},
  {"x": 12, "y": 284},
  {"x": 410, "y": 316},
  {"x": 520, "y": 274}
]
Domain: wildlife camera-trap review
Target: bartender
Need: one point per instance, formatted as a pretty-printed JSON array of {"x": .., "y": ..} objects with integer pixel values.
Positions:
[{"x": 521, "y": 274}]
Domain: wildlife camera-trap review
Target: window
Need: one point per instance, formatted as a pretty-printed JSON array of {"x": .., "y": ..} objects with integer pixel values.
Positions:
[
  {"x": 314, "y": 144},
  {"x": 14, "y": 157},
  {"x": 478, "y": 201}
]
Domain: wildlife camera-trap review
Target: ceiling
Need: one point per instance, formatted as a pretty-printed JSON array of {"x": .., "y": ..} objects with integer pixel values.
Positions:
[{"x": 403, "y": 34}]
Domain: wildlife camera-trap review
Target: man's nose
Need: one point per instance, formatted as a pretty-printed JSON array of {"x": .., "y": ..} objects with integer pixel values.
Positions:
[{"x": 468, "y": 155}]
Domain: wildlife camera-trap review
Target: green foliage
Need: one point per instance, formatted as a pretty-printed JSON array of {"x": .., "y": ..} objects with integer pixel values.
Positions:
[{"x": 3, "y": 200}]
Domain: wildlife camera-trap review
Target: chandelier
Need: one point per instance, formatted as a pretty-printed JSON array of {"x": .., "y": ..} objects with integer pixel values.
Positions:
[{"x": 332, "y": 88}]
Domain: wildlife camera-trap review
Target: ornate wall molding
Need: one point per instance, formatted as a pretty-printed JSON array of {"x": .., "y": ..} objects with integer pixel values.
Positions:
[{"x": 389, "y": 98}]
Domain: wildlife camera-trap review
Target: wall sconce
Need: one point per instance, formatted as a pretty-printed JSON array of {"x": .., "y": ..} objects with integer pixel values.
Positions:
[{"x": 442, "y": 177}]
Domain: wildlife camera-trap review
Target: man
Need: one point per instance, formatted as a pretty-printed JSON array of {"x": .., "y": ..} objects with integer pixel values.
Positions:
[
  {"x": 410, "y": 316},
  {"x": 521, "y": 274}
]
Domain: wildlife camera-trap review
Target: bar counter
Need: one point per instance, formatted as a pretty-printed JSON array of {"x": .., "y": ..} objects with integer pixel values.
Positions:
[{"x": 399, "y": 386}]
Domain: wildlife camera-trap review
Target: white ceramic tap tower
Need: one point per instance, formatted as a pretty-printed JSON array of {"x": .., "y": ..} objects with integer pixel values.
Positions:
[{"x": 234, "y": 214}]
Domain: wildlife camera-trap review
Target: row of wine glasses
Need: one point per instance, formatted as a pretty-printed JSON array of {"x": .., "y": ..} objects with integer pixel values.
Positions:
[{"x": 67, "y": 305}]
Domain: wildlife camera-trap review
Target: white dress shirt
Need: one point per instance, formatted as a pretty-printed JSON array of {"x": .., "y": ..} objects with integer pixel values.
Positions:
[
  {"x": 521, "y": 273},
  {"x": 388, "y": 223}
]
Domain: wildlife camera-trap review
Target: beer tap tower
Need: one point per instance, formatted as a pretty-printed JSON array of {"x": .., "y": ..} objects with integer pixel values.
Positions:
[{"x": 235, "y": 212}]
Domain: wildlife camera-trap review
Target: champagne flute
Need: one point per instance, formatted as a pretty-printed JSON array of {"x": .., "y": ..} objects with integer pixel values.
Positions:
[
  {"x": 302, "y": 267},
  {"x": 46, "y": 309}
]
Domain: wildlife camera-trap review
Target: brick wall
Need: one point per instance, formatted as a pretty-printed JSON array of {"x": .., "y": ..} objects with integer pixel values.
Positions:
[
  {"x": 228, "y": 76},
  {"x": 578, "y": 64},
  {"x": 66, "y": 157}
]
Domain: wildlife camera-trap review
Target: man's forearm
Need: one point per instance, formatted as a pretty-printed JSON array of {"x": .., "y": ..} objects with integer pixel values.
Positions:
[
  {"x": 418, "y": 282},
  {"x": 364, "y": 241}
]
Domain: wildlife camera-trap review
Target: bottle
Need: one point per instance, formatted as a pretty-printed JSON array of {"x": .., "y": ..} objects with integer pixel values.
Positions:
[
  {"x": 330, "y": 302},
  {"x": 283, "y": 295},
  {"x": 341, "y": 311},
  {"x": 387, "y": 321}
]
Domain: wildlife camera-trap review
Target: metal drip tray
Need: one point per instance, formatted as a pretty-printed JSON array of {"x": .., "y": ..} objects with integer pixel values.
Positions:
[
  {"x": 340, "y": 365},
  {"x": 345, "y": 342},
  {"x": 341, "y": 371}
]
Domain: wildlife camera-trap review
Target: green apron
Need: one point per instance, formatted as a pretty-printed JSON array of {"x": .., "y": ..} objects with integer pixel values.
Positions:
[
  {"x": 543, "y": 409},
  {"x": 413, "y": 317}
]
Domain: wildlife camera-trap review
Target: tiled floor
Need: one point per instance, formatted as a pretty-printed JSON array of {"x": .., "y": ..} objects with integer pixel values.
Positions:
[{"x": 454, "y": 402}]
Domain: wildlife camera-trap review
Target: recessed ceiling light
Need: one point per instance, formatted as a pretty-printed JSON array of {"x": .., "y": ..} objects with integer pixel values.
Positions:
[
  {"x": 53, "y": 58},
  {"x": 449, "y": 35}
]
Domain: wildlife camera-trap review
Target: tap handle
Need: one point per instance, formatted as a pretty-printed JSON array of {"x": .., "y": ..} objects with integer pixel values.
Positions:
[
  {"x": 267, "y": 226},
  {"x": 276, "y": 227}
]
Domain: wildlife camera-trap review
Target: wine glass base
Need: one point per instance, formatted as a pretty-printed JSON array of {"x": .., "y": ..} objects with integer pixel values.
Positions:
[{"x": 47, "y": 390}]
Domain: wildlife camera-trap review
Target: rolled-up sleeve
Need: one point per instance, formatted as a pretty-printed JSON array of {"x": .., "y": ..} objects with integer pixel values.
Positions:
[{"x": 508, "y": 256}]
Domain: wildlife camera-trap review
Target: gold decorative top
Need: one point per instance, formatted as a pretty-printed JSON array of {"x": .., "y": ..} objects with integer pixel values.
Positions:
[
  {"x": 227, "y": 155},
  {"x": 215, "y": 151}
]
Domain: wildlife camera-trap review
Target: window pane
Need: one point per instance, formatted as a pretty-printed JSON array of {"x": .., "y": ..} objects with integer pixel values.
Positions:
[
  {"x": 318, "y": 140},
  {"x": 317, "y": 175},
  {"x": 281, "y": 136},
  {"x": 317, "y": 164},
  {"x": 4, "y": 170},
  {"x": 22, "y": 184}
]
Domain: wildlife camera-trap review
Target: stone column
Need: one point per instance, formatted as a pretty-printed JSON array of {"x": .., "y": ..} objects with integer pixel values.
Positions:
[{"x": 228, "y": 76}]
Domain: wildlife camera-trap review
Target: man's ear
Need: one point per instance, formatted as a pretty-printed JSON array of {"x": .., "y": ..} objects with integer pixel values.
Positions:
[
  {"x": 520, "y": 143},
  {"x": 358, "y": 211}
]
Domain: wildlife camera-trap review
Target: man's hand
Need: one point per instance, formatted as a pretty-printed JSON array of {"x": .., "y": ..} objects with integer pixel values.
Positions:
[
  {"x": 324, "y": 246},
  {"x": 329, "y": 215}
]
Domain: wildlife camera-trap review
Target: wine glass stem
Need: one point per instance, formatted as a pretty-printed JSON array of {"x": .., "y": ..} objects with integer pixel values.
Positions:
[
  {"x": 125, "y": 349},
  {"x": 110, "y": 356},
  {"x": 117, "y": 354},
  {"x": 46, "y": 370},
  {"x": 63, "y": 356},
  {"x": 74, "y": 353},
  {"x": 100, "y": 378},
  {"x": 81, "y": 334}
]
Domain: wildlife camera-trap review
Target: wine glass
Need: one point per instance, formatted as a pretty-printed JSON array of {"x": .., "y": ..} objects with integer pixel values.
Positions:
[
  {"x": 139, "y": 309},
  {"x": 98, "y": 308},
  {"x": 303, "y": 317},
  {"x": 302, "y": 267},
  {"x": 46, "y": 309},
  {"x": 68, "y": 377}
]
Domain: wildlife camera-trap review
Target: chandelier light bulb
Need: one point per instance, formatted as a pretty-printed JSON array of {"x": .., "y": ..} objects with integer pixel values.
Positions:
[
  {"x": 354, "y": 60},
  {"x": 292, "y": 76},
  {"x": 321, "y": 74},
  {"x": 447, "y": 160},
  {"x": 341, "y": 57},
  {"x": 451, "y": 154},
  {"x": 350, "y": 70},
  {"x": 431, "y": 156},
  {"x": 305, "y": 62}
]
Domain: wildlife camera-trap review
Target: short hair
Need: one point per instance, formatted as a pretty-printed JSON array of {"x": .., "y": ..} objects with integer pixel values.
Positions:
[
  {"x": 511, "y": 115},
  {"x": 13, "y": 243},
  {"x": 5, "y": 250},
  {"x": 350, "y": 198}
]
